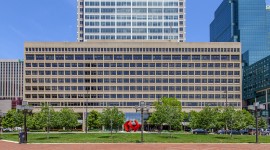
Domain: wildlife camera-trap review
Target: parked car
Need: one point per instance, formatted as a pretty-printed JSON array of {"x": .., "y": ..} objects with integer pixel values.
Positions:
[
  {"x": 221, "y": 131},
  {"x": 233, "y": 132},
  {"x": 199, "y": 131},
  {"x": 17, "y": 128},
  {"x": 265, "y": 132},
  {"x": 252, "y": 131},
  {"x": 244, "y": 131},
  {"x": 228, "y": 132},
  {"x": 7, "y": 130}
]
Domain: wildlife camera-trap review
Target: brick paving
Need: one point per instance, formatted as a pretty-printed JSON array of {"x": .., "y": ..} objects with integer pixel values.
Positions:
[{"x": 14, "y": 146}]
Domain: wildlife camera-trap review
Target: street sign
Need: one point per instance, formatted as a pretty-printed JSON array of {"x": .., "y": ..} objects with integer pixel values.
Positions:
[
  {"x": 262, "y": 107},
  {"x": 19, "y": 107},
  {"x": 251, "y": 107}
]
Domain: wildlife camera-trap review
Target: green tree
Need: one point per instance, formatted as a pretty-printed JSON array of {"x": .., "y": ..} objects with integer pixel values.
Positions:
[
  {"x": 13, "y": 119},
  {"x": 47, "y": 117},
  {"x": 242, "y": 120},
  {"x": 93, "y": 120},
  {"x": 114, "y": 116},
  {"x": 167, "y": 111},
  {"x": 68, "y": 119},
  {"x": 194, "y": 119},
  {"x": 262, "y": 123},
  {"x": 205, "y": 119}
]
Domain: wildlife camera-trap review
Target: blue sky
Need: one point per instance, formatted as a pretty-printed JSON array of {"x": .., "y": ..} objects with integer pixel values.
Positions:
[{"x": 55, "y": 20}]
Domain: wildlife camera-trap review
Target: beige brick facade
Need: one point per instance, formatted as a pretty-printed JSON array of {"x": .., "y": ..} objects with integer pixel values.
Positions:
[{"x": 122, "y": 73}]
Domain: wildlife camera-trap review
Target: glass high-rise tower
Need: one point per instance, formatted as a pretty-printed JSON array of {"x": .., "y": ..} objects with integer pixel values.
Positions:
[
  {"x": 243, "y": 21},
  {"x": 131, "y": 19}
]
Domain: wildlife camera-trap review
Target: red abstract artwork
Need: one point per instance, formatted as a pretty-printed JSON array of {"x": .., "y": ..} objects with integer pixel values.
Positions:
[{"x": 132, "y": 125}]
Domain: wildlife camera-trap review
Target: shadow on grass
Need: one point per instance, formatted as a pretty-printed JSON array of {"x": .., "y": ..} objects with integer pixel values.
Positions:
[
  {"x": 45, "y": 138},
  {"x": 104, "y": 137},
  {"x": 168, "y": 137},
  {"x": 138, "y": 141}
]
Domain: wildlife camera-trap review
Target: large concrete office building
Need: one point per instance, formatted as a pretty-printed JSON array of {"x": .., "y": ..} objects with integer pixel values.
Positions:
[
  {"x": 245, "y": 21},
  {"x": 11, "y": 81},
  {"x": 131, "y": 19},
  {"x": 98, "y": 74}
]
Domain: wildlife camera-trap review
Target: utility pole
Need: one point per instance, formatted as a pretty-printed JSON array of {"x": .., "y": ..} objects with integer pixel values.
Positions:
[
  {"x": 86, "y": 113},
  {"x": 143, "y": 109},
  {"x": 48, "y": 122}
]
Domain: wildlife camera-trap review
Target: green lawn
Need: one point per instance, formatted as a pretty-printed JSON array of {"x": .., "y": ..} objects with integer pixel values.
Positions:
[{"x": 135, "y": 138}]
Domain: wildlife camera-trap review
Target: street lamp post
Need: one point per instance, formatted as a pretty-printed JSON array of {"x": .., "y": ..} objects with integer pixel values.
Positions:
[
  {"x": 86, "y": 113},
  {"x": 1, "y": 115},
  {"x": 49, "y": 120},
  {"x": 25, "y": 108},
  {"x": 143, "y": 109},
  {"x": 256, "y": 107},
  {"x": 226, "y": 104},
  {"x": 111, "y": 125}
]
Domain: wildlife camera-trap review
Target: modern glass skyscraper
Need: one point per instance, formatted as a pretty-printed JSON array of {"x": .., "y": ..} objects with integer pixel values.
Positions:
[
  {"x": 243, "y": 21},
  {"x": 131, "y": 19}
]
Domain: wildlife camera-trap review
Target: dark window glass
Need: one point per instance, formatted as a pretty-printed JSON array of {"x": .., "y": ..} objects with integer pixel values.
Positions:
[
  {"x": 108, "y": 57},
  {"x": 69, "y": 57},
  {"x": 166, "y": 57},
  {"x": 117, "y": 57},
  {"x": 98, "y": 57},
  {"x": 195, "y": 57},
  {"x": 205, "y": 57},
  {"x": 127, "y": 57},
  {"x": 39, "y": 57},
  {"x": 147, "y": 57},
  {"x": 137, "y": 57},
  {"x": 59, "y": 57},
  {"x": 186, "y": 57},
  {"x": 78, "y": 57},
  {"x": 88, "y": 57},
  {"x": 30, "y": 57},
  {"x": 156, "y": 57},
  {"x": 176, "y": 57}
]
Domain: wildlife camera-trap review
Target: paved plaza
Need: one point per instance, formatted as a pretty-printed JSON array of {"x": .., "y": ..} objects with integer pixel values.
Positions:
[{"x": 15, "y": 146}]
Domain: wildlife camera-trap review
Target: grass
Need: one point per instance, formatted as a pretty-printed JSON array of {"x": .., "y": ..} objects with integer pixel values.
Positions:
[{"x": 135, "y": 138}]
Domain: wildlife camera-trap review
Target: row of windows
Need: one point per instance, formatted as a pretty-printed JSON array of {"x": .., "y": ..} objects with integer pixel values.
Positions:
[
  {"x": 112, "y": 37},
  {"x": 127, "y": 73},
  {"x": 133, "y": 88},
  {"x": 132, "y": 49},
  {"x": 97, "y": 3},
  {"x": 134, "y": 30},
  {"x": 124, "y": 96},
  {"x": 137, "y": 65},
  {"x": 128, "y": 80},
  {"x": 133, "y": 10},
  {"x": 128, "y": 30},
  {"x": 134, "y": 17},
  {"x": 132, "y": 104},
  {"x": 129, "y": 57}
]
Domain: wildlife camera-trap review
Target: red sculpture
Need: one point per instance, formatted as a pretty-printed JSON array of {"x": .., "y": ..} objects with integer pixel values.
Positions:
[{"x": 132, "y": 125}]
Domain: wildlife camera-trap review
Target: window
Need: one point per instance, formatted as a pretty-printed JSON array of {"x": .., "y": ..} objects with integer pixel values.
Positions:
[
  {"x": 59, "y": 57},
  {"x": 78, "y": 57},
  {"x": 147, "y": 57},
  {"x": 69, "y": 57},
  {"x": 205, "y": 57},
  {"x": 30, "y": 57},
  {"x": 137, "y": 57},
  {"x": 235, "y": 57},
  {"x": 39, "y": 57},
  {"x": 127, "y": 57},
  {"x": 186, "y": 57},
  {"x": 166, "y": 57},
  {"x": 215, "y": 57}
]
